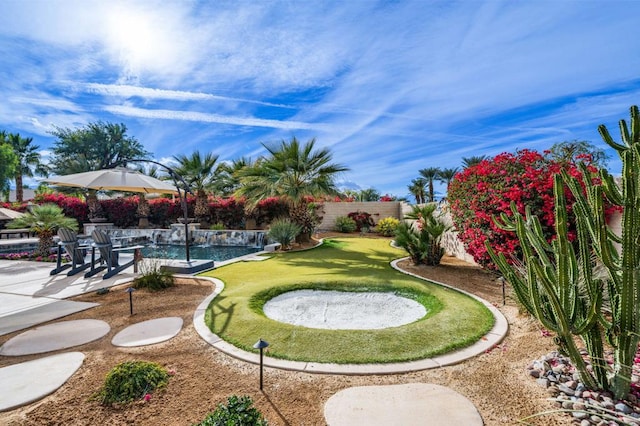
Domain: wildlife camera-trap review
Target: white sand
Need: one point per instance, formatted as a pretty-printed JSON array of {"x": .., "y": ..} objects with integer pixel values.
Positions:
[{"x": 339, "y": 310}]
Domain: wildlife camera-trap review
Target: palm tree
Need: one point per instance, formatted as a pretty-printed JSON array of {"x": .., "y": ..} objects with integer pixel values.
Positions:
[
  {"x": 44, "y": 220},
  {"x": 446, "y": 175},
  {"x": 292, "y": 171},
  {"x": 472, "y": 161},
  {"x": 430, "y": 174},
  {"x": 199, "y": 173},
  {"x": 227, "y": 181},
  {"x": 28, "y": 161},
  {"x": 370, "y": 194},
  {"x": 417, "y": 190}
]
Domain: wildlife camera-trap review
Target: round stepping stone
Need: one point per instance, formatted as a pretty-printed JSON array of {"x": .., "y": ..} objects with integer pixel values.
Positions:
[
  {"x": 52, "y": 337},
  {"x": 33, "y": 380},
  {"x": 148, "y": 332},
  {"x": 411, "y": 404}
]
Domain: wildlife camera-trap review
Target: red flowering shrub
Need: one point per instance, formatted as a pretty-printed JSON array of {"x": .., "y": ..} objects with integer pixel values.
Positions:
[
  {"x": 228, "y": 211},
  {"x": 269, "y": 209},
  {"x": 484, "y": 191},
  {"x": 362, "y": 219},
  {"x": 71, "y": 206},
  {"x": 121, "y": 211}
]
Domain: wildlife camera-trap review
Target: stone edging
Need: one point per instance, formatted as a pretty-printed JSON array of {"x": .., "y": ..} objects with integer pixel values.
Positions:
[{"x": 492, "y": 338}]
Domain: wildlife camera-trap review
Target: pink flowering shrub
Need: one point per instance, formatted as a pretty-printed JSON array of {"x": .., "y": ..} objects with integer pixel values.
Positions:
[{"x": 484, "y": 191}]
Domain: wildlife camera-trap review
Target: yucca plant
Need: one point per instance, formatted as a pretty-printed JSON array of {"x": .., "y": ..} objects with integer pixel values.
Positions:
[{"x": 560, "y": 285}]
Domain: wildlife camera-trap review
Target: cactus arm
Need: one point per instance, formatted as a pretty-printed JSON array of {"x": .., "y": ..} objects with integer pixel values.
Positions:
[{"x": 604, "y": 133}]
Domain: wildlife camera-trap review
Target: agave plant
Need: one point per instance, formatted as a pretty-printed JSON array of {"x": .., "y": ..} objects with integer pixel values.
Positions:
[{"x": 562, "y": 285}]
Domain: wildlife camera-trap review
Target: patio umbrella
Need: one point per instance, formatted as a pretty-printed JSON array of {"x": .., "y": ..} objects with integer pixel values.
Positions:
[
  {"x": 8, "y": 214},
  {"x": 118, "y": 179}
]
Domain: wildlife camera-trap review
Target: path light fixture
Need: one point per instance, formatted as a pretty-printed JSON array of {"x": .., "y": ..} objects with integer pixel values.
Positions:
[
  {"x": 130, "y": 290},
  {"x": 261, "y": 344}
]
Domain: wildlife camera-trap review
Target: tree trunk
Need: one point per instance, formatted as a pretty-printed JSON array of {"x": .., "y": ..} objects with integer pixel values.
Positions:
[
  {"x": 45, "y": 243},
  {"x": 19, "y": 189}
]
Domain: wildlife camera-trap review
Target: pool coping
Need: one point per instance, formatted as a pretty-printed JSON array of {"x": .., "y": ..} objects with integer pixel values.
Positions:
[{"x": 486, "y": 343}]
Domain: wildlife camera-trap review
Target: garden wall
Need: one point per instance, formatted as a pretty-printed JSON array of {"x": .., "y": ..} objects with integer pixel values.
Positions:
[{"x": 377, "y": 209}]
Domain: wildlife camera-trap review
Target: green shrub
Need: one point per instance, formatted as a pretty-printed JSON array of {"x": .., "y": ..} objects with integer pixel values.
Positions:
[
  {"x": 345, "y": 224},
  {"x": 217, "y": 226},
  {"x": 387, "y": 226},
  {"x": 130, "y": 381},
  {"x": 422, "y": 238},
  {"x": 237, "y": 412},
  {"x": 284, "y": 231},
  {"x": 153, "y": 277}
]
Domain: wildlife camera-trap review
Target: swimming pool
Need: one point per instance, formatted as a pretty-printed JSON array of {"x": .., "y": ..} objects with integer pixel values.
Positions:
[{"x": 217, "y": 253}]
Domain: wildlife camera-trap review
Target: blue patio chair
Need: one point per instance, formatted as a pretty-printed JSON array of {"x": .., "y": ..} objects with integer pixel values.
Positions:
[
  {"x": 70, "y": 245},
  {"x": 109, "y": 255}
]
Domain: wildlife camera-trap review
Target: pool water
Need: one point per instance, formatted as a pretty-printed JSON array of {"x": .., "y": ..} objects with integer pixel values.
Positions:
[{"x": 218, "y": 253}]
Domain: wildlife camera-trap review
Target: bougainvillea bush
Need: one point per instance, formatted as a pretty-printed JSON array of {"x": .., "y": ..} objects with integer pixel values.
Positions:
[{"x": 481, "y": 192}]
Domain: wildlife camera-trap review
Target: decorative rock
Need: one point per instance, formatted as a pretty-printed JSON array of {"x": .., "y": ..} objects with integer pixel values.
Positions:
[
  {"x": 579, "y": 406},
  {"x": 623, "y": 408},
  {"x": 543, "y": 382},
  {"x": 567, "y": 405},
  {"x": 585, "y": 423},
  {"x": 535, "y": 373},
  {"x": 595, "y": 419},
  {"x": 580, "y": 414},
  {"x": 553, "y": 389},
  {"x": 563, "y": 388},
  {"x": 571, "y": 384}
]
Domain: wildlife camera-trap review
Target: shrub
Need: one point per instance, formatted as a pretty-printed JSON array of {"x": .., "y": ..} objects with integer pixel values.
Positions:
[
  {"x": 239, "y": 411},
  {"x": 217, "y": 227},
  {"x": 153, "y": 277},
  {"x": 130, "y": 381},
  {"x": 363, "y": 220},
  {"x": 421, "y": 239},
  {"x": 345, "y": 224},
  {"x": 284, "y": 231},
  {"x": 486, "y": 190},
  {"x": 387, "y": 226}
]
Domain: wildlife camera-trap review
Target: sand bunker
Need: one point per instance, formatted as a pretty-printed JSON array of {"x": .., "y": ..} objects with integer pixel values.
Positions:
[{"x": 339, "y": 310}]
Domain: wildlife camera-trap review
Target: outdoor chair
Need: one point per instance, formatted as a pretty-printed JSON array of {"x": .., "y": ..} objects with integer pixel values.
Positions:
[
  {"x": 69, "y": 244},
  {"x": 109, "y": 255}
]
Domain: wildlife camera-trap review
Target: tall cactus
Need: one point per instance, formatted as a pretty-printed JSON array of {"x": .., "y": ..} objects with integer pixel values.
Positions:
[{"x": 560, "y": 287}]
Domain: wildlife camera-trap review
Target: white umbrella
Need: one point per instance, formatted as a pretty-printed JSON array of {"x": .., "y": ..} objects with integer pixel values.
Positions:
[
  {"x": 118, "y": 179},
  {"x": 8, "y": 214}
]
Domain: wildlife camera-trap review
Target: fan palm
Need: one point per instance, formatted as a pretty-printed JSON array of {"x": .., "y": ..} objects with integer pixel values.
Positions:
[
  {"x": 28, "y": 161},
  {"x": 446, "y": 175},
  {"x": 472, "y": 161},
  {"x": 291, "y": 171},
  {"x": 430, "y": 174},
  {"x": 44, "y": 220},
  {"x": 199, "y": 172}
]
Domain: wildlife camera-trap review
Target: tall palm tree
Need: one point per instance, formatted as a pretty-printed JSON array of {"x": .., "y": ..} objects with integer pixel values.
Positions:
[
  {"x": 292, "y": 171},
  {"x": 28, "y": 161},
  {"x": 472, "y": 161},
  {"x": 199, "y": 172},
  {"x": 417, "y": 190},
  {"x": 430, "y": 174},
  {"x": 44, "y": 220},
  {"x": 227, "y": 181},
  {"x": 446, "y": 175}
]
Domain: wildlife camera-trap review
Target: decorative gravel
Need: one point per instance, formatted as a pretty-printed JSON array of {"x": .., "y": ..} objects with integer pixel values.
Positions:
[{"x": 588, "y": 407}]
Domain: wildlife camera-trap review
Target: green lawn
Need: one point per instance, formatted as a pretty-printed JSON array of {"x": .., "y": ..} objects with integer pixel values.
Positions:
[{"x": 454, "y": 320}]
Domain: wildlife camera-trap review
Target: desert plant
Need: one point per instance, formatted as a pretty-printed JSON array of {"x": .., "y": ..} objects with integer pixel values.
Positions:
[
  {"x": 560, "y": 284},
  {"x": 363, "y": 220},
  {"x": 387, "y": 226},
  {"x": 421, "y": 238},
  {"x": 130, "y": 381},
  {"x": 284, "y": 231},
  {"x": 238, "y": 411},
  {"x": 153, "y": 276},
  {"x": 44, "y": 220},
  {"x": 345, "y": 224}
]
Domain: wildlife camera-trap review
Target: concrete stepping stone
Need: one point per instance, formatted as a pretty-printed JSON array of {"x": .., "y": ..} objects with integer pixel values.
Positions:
[
  {"x": 148, "y": 332},
  {"x": 33, "y": 380},
  {"x": 56, "y": 336},
  {"x": 408, "y": 405}
]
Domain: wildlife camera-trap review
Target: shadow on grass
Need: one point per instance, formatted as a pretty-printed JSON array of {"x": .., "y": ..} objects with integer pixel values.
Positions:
[{"x": 218, "y": 312}]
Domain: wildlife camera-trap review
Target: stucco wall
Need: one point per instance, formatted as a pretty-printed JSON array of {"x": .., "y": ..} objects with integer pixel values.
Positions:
[{"x": 377, "y": 209}]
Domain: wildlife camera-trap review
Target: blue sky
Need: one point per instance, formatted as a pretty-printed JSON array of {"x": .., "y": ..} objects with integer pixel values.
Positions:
[{"x": 390, "y": 86}]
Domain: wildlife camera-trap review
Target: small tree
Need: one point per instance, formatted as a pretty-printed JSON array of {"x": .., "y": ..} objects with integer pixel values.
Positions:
[
  {"x": 421, "y": 239},
  {"x": 44, "y": 220}
]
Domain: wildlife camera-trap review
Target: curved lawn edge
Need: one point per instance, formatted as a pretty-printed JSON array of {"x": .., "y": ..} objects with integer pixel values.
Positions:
[{"x": 488, "y": 341}]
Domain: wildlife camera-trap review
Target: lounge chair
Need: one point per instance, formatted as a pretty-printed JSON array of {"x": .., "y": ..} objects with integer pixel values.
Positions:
[
  {"x": 109, "y": 254},
  {"x": 69, "y": 244}
]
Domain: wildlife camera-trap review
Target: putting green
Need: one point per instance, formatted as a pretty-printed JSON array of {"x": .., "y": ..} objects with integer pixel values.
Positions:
[{"x": 454, "y": 320}]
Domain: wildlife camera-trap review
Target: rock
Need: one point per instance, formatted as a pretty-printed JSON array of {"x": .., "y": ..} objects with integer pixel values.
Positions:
[
  {"x": 564, "y": 389},
  {"x": 579, "y": 406},
  {"x": 585, "y": 423},
  {"x": 595, "y": 419},
  {"x": 580, "y": 414},
  {"x": 623, "y": 408},
  {"x": 567, "y": 405},
  {"x": 552, "y": 390},
  {"x": 543, "y": 382},
  {"x": 535, "y": 373},
  {"x": 558, "y": 369}
]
